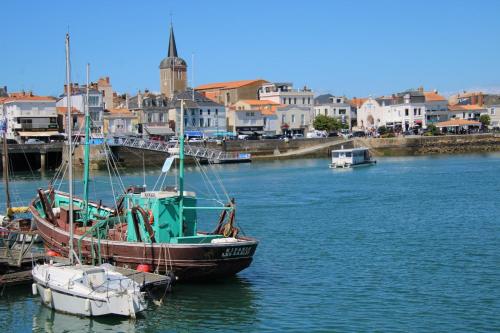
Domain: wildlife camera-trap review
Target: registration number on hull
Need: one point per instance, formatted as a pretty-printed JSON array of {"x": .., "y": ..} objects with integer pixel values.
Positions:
[{"x": 236, "y": 251}]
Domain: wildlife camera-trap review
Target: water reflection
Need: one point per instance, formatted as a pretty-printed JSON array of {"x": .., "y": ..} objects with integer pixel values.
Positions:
[{"x": 191, "y": 307}]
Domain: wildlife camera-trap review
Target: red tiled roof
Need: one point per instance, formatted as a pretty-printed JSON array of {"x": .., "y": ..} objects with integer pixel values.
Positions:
[
  {"x": 229, "y": 85},
  {"x": 468, "y": 107},
  {"x": 258, "y": 102},
  {"x": 63, "y": 110},
  {"x": 357, "y": 102},
  {"x": 431, "y": 96},
  {"x": 22, "y": 96}
]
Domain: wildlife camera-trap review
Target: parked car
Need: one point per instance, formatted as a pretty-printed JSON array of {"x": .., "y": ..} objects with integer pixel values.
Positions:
[
  {"x": 174, "y": 139},
  {"x": 195, "y": 139},
  {"x": 34, "y": 142},
  {"x": 359, "y": 134},
  {"x": 298, "y": 136}
]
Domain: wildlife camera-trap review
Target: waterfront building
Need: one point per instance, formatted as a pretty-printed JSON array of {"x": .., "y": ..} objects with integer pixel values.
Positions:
[
  {"x": 267, "y": 110},
  {"x": 228, "y": 93},
  {"x": 78, "y": 98},
  {"x": 494, "y": 113},
  {"x": 334, "y": 107},
  {"x": 468, "y": 111},
  {"x": 435, "y": 108},
  {"x": 173, "y": 70},
  {"x": 284, "y": 93},
  {"x": 120, "y": 121},
  {"x": 151, "y": 111},
  {"x": 29, "y": 116},
  {"x": 355, "y": 104},
  {"x": 411, "y": 109},
  {"x": 202, "y": 116},
  {"x": 294, "y": 119}
]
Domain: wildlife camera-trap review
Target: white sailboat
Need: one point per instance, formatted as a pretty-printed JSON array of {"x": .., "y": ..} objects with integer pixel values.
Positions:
[{"x": 75, "y": 288}]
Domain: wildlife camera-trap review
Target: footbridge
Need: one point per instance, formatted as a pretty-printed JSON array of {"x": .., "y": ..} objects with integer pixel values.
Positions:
[{"x": 212, "y": 155}]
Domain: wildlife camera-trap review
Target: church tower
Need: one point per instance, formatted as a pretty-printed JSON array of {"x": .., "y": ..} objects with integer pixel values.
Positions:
[{"x": 173, "y": 70}]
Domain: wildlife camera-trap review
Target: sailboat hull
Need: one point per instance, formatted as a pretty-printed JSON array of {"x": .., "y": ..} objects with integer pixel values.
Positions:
[{"x": 189, "y": 262}]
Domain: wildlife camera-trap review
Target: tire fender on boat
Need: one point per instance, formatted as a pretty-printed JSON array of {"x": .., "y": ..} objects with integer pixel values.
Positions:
[
  {"x": 87, "y": 305},
  {"x": 34, "y": 289}
]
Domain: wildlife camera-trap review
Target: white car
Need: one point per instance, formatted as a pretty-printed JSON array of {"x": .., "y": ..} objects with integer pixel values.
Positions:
[
  {"x": 34, "y": 142},
  {"x": 195, "y": 140}
]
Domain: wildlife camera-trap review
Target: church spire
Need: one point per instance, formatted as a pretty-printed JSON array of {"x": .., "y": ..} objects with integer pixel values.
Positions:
[{"x": 172, "y": 48}]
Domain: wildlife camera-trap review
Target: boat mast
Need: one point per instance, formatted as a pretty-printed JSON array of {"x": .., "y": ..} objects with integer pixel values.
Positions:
[
  {"x": 86, "y": 154},
  {"x": 6, "y": 169},
  {"x": 181, "y": 171},
  {"x": 70, "y": 152}
]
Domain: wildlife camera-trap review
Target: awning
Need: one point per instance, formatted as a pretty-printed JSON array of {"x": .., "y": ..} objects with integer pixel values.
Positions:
[
  {"x": 159, "y": 130},
  {"x": 246, "y": 132},
  {"x": 259, "y": 132},
  {"x": 39, "y": 134},
  {"x": 457, "y": 122}
]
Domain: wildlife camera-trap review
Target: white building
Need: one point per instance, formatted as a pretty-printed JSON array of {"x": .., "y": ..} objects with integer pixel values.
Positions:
[
  {"x": 202, "y": 116},
  {"x": 29, "y": 116},
  {"x": 78, "y": 98},
  {"x": 284, "y": 93},
  {"x": 494, "y": 113},
  {"x": 265, "y": 109},
  {"x": 336, "y": 107},
  {"x": 407, "y": 110}
]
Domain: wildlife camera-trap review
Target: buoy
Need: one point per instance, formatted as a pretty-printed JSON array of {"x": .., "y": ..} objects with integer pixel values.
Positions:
[
  {"x": 48, "y": 296},
  {"x": 34, "y": 289},
  {"x": 52, "y": 253},
  {"x": 145, "y": 268},
  {"x": 87, "y": 305}
]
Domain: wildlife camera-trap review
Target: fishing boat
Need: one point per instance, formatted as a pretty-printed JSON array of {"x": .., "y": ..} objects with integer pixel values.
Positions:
[
  {"x": 351, "y": 158},
  {"x": 149, "y": 230},
  {"x": 79, "y": 289}
]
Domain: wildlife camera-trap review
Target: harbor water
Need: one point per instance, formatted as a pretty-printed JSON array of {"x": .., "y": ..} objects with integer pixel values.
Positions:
[{"x": 409, "y": 245}]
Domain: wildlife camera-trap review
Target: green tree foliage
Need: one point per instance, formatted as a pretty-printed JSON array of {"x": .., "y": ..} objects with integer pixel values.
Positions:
[
  {"x": 485, "y": 119},
  {"x": 432, "y": 129},
  {"x": 325, "y": 123}
]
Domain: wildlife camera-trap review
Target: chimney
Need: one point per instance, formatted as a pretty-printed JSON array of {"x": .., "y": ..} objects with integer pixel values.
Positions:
[
  {"x": 473, "y": 99},
  {"x": 480, "y": 98}
]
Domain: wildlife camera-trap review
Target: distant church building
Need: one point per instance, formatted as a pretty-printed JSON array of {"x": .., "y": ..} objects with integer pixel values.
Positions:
[{"x": 173, "y": 70}]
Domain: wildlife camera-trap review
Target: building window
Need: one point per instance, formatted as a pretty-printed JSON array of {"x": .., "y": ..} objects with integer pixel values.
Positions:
[
  {"x": 419, "y": 111},
  {"x": 284, "y": 100},
  {"x": 161, "y": 117},
  {"x": 338, "y": 100},
  {"x": 295, "y": 100},
  {"x": 326, "y": 112},
  {"x": 414, "y": 112},
  {"x": 293, "y": 118},
  {"x": 228, "y": 98},
  {"x": 302, "y": 120},
  {"x": 201, "y": 112},
  {"x": 303, "y": 100},
  {"x": 492, "y": 111},
  {"x": 216, "y": 111},
  {"x": 308, "y": 100},
  {"x": 290, "y": 100},
  {"x": 208, "y": 112},
  {"x": 283, "y": 118},
  {"x": 193, "y": 121},
  {"x": 185, "y": 122},
  {"x": 406, "y": 112},
  {"x": 208, "y": 122},
  {"x": 192, "y": 112},
  {"x": 201, "y": 122}
]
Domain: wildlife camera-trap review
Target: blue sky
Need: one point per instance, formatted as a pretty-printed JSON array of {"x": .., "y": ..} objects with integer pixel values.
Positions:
[{"x": 356, "y": 48}]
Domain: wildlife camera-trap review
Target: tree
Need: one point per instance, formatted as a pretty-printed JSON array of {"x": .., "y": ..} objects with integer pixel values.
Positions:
[
  {"x": 325, "y": 123},
  {"x": 485, "y": 120},
  {"x": 432, "y": 129}
]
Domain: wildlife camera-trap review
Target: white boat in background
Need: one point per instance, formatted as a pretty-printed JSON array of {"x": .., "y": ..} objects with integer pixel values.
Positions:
[
  {"x": 350, "y": 158},
  {"x": 87, "y": 290}
]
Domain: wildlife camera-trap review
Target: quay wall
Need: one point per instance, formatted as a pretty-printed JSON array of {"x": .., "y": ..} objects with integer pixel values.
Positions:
[{"x": 424, "y": 145}]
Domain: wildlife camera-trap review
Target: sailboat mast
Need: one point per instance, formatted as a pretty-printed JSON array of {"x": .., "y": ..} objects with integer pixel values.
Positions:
[
  {"x": 6, "y": 168},
  {"x": 181, "y": 170},
  {"x": 70, "y": 151},
  {"x": 86, "y": 163}
]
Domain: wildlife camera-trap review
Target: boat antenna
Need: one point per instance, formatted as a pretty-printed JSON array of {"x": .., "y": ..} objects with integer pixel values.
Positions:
[
  {"x": 86, "y": 171},
  {"x": 5, "y": 154},
  {"x": 143, "y": 172},
  {"x": 70, "y": 151},
  {"x": 181, "y": 170}
]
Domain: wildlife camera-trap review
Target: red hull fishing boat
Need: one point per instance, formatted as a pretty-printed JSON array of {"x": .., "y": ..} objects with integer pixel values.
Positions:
[{"x": 147, "y": 230}]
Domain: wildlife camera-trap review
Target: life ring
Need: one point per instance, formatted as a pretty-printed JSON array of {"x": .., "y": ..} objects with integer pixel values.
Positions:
[{"x": 151, "y": 217}]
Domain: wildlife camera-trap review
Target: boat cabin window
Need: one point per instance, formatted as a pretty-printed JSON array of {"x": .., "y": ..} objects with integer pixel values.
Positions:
[
  {"x": 348, "y": 154},
  {"x": 95, "y": 278},
  {"x": 336, "y": 154}
]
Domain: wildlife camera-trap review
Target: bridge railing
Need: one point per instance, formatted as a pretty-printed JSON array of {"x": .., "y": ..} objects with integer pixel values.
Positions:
[{"x": 189, "y": 150}]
